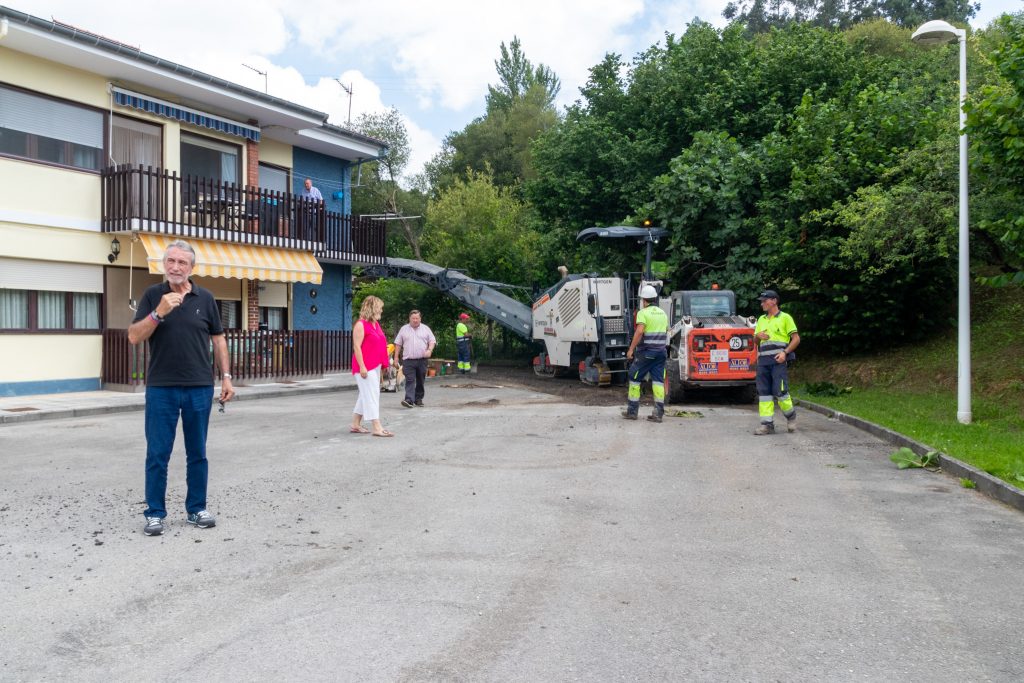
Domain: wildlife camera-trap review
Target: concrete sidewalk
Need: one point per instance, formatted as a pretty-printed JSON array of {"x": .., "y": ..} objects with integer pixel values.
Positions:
[{"x": 82, "y": 403}]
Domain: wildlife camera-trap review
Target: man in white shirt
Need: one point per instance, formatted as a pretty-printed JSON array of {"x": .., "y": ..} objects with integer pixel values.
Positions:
[
  {"x": 414, "y": 344},
  {"x": 311, "y": 213}
]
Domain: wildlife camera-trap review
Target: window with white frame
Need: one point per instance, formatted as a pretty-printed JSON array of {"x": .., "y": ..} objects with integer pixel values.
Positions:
[
  {"x": 37, "y": 311},
  {"x": 50, "y": 130},
  {"x": 47, "y": 296}
]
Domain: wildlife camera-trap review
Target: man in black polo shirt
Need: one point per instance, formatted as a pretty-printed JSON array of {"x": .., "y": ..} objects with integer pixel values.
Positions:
[{"x": 179, "y": 319}]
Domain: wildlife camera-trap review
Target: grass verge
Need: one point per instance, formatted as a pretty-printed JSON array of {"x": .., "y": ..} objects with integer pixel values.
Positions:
[
  {"x": 912, "y": 389},
  {"x": 993, "y": 442}
]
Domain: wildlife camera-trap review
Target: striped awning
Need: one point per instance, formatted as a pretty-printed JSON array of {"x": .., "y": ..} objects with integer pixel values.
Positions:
[
  {"x": 170, "y": 110},
  {"x": 238, "y": 261}
]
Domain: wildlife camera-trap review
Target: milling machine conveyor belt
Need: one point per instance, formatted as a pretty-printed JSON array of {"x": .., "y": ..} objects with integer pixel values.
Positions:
[{"x": 479, "y": 296}]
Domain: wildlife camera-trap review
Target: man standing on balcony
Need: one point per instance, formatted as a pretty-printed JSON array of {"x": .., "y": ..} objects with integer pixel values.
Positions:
[
  {"x": 414, "y": 344},
  {"x": 180, "y": 320},
  {"x": 312, "y": 211}
]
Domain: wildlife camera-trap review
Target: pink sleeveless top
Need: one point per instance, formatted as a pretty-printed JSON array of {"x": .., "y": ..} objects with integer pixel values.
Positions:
[{"x": 374, "y": 347}]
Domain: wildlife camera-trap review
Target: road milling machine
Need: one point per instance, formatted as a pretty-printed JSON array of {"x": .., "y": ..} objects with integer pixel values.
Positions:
[{"x": 585, "y": 321}]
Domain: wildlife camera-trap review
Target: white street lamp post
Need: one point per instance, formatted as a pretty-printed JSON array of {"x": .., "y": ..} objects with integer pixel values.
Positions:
[{"x": 930, "y": 33}]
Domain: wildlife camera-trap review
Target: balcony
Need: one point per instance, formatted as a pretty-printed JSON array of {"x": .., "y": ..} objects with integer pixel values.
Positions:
[{"x": 153, "y": 200}]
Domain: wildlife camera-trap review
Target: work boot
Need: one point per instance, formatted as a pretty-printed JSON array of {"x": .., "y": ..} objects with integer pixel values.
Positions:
[
  {"x": 628, "y": 415},
  {"x": 791, "y": 424},
  {"x": 654, "y": 417},
  {"x": 765, "y": 428}
]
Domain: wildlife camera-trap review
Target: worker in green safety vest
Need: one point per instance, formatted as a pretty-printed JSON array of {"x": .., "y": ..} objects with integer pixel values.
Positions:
[
  {"x": 463, "y": 342},
  {"x": 649, "y": 346},
  {"x": 777, "y": 338}
]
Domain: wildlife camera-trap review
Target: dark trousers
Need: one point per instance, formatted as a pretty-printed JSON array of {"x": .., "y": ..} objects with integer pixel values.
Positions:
[
  {"x": 462, "y": 347},
  {"x": 415, "y": 370},
  {"x": 164, "y": 405},
  {"x": 647, "y": 362},
  {"x": 773, "y": 385}
]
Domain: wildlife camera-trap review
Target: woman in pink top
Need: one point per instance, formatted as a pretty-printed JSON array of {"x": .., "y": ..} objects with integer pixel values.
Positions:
[{"x": 369, "y": 354}]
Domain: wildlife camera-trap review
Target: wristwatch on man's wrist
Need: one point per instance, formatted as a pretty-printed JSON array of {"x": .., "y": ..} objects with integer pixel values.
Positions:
[{"x": 226, "y": 375}]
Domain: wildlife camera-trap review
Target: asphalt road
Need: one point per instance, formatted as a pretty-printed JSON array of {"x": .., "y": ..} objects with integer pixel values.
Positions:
[{"x": 501, "y": 535}]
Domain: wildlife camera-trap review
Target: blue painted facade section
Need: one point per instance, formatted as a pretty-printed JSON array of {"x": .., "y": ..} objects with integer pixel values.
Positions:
[
  {"x": 333, "y": 301},
  {"x": 52, "y": 386},
  {"x": 334, "y": 294},
  {"x": 329, "y": 175}
]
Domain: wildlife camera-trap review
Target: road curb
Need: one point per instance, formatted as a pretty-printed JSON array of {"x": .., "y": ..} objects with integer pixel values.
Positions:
[
  {"x": 64, "y": 413},
  {"x": 985, "y": 482}
]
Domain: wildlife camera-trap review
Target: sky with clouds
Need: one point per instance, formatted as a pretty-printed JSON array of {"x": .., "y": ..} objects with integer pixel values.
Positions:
[{"x": 431, "y": 60}]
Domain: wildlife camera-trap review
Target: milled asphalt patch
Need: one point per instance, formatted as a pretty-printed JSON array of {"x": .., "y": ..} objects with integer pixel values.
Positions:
[{"x": 985, "y": 482}]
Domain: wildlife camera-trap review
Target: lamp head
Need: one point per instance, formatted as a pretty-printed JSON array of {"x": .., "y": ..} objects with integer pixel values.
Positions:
[
  {"x": 115, "y": 250},
  {"x": 936, "y": 32}
]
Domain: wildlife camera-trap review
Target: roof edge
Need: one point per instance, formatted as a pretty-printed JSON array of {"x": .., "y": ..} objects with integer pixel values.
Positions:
[
  {"x": 348, "y": 132},
  {"x": 122, "y": 50}
]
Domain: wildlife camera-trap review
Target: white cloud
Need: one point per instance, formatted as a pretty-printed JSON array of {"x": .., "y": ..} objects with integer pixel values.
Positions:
[
  {"x": 432, "y": 59},
  {"x": 447, "y": 49}
]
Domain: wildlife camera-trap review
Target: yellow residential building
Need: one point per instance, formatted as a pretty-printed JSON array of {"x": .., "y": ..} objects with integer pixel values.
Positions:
[{"x": 107, "y": 154}]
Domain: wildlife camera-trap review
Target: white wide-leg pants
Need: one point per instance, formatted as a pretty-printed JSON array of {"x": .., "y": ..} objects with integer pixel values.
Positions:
[{"x": 368, "y": 403}]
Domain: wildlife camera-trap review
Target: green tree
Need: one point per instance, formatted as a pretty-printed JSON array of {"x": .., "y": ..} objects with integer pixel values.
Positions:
[
  {"x": 707, "y": 199},
  {"x": 499, "y": 141},
  {"x": 996, "y": 128},
  {"x": 597, "y": 165},
  {"x": 483, "y": 229},
  {"x": 380, "y": 190},
  {"x": 519, "y": 108},
  {"x": 814, "y": 205},
  {"x": 760, "y": 16},
  {"x": 518, "y": 78}
]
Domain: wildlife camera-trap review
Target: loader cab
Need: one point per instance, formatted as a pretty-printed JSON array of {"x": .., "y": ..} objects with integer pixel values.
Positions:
[{"x": 713, "y": 303}]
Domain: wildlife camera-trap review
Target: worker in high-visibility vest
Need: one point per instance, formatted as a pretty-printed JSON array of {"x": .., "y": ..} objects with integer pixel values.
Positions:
[
  {"x": 777, "y": 338},
  {"x": 463, "y": 341},
  {"x": 649, "y": 346}
]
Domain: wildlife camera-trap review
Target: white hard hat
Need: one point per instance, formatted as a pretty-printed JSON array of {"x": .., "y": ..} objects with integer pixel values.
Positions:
[{"x": 648, "y": 292}]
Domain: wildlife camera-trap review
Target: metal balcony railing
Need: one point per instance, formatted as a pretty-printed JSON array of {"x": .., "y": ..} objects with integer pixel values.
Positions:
[
  {"x": 256, "y": 355},
  {"x": 154, "y": 200}
]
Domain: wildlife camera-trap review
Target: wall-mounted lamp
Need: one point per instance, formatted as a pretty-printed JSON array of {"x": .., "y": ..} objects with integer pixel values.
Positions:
[{"x": 115, "y": 250}]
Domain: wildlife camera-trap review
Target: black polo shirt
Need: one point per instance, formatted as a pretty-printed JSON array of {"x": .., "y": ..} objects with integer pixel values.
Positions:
[{"x": 179, "y": 349}]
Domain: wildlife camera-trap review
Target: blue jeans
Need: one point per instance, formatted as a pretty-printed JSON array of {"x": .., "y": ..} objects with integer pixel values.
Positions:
[{"x": 163, "y": 407}]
